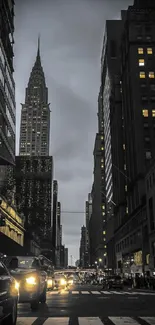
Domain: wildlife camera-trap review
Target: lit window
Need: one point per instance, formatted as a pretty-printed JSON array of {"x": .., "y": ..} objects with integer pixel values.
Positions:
[
  {"x": 105, "y": 246},
  {"x": 124, "y": 146},
  {"x": 105, "y": 254},
  {"x": 102, "y": 137},
  {"x": 127, "y": 211},
  {"x": 103, "y": 213},
  {"x": 151, "y": 75},
  {"x": 145, "y": 113},
  {"x": 142, "y": 75},
  {"x": 141, "y": 62},
  {"x": 104, "y": 239},
  {"x": 102, "y": 160},
  {"x": 140, "y": 50},
  {"x": 102, "y": 166},
  {"x": 148, "y": 155},
  {"x": 103, "y": 207},
  {"x": 104, "y": 232},
  {"x": 126, "y": 188},
  {"x": 149, "y": 50},
  {"x": 102, "y": 148},
  {"x": 153, "y": 113},
  {"x": 124, "y": 166}
]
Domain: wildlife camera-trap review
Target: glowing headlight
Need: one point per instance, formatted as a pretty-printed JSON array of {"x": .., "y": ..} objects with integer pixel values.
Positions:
[
  {"x": 63, "y": 282},
  {"x": 70, "y": 281},
  {"x": 31, "y": 280},
  {"x": 49, "y": 282},
  {"x": 17, "y": 285}
]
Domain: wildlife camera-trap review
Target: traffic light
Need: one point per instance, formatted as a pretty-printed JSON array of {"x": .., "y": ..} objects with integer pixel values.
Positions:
[{"x": 2, "y": 221}]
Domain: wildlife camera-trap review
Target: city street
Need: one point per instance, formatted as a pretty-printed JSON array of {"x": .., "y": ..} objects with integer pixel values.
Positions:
[{"x": 90, "y": 305}]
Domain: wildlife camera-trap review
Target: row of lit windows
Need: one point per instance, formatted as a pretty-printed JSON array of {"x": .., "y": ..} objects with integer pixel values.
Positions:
[
  {"x": 146, "y": 113},
  {"x": 141, "y": 50},
  {"x": 142, "y": 75}
]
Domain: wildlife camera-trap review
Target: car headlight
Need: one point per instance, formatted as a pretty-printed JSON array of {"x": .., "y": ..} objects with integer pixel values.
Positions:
[
  {"x": 17, "y": 285},
  {"x": 31, "y": 280},
  {"x": 63, "y": 282},
  {"x": 49, "y": 282}
]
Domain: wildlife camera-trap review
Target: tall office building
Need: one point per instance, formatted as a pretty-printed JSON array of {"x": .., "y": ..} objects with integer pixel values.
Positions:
[
  {"x": 54, "y": 219},
  {"x": 35, "y": 114},
  {"x": 83, "y": 248},
  {"x": 97, "y": 222},
  {"x": 128, "y": 68},
  {"x": 34, "y": 166},
  {"x": 7, "y": 85}
]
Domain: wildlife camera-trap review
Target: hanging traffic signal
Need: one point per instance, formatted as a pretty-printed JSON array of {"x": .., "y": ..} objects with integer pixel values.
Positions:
[{"x": 2, "y": 221}]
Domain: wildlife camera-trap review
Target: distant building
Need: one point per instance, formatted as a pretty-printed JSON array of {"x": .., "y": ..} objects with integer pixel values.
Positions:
[
  {"x": 83, "y": 248},
  {"x": 33, "y": 197},
  {"x": 35, "y": 114},
  {"x": 66, "y": 258},
  {"x": 54, "y": 218},
  {"x": 150, "y": 203}
]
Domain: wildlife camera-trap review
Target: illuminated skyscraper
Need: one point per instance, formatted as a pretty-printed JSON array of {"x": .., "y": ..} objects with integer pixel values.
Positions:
[{"x": 35, "y": 114}]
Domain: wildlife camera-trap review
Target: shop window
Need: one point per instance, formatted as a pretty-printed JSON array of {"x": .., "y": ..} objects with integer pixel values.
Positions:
[
  {"x": 145, "y": 113},
  {"x": 141, "y": 62},
  {"x": 142, "y": 75},
  {"x": 149, "y": 50},
  {"x": 151, "y": 75},
  {"x": 140, "y": 50}
]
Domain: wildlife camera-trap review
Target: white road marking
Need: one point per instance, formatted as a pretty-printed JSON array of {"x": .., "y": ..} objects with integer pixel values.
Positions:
[
  {"x": 106, "y": 292},
  {"x": 95, "y": 292},
  {"x": 149, "y": 320},
  {"x": 75, "y": 292},
  {"x": 54, "y": 292},
  {"x": 123, "y": 321},
  {"x": 85, "y": 292},
  {"x": 117, "y": 292},
  {"x": 89, "y": 321},
  {"x": 57, "y": 321},
  {"x": 26, "y": 320}
]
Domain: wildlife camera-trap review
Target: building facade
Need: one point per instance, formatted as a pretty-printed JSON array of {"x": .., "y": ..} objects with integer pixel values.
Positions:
[
  {"x": 54, "y": 218},
  {"x": 66, "y": 258},
  {"x": 150, "y": 203},
  {"x": 7, "y": 85},
  {"x": 128, "y": 68},
  {"x": 34, "y": 196},
  {"x": 12, "y": 232},
  {"x": 97, "y": 222},
  {"x": 35, "y": 114},
  {"x": 83, "y": 247}
]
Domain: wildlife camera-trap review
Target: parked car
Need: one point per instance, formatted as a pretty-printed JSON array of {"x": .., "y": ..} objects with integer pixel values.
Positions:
[
  {"x": 9, "y": 290},
  {"x": 31, "y": 278},
  {"x": 114, "y": 281}
]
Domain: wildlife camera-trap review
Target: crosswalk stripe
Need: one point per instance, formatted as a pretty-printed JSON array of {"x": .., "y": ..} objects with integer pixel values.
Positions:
[
  {"x": 89, "y": 321},
  {"x": 26, "y": 320},
  {"x": 95, "y": 292},
  {"x": 123, "y": 321},
  {"x": 149, "y": 320},
  {"x": 75, "y": 292},
  {"x": 117, "y": 292},
  {"x": 54, "y": 292},
  {"x": 85, "y": 292},
  {"x": 85, "y": 320},
  {"x": 106, "y": 292},
  {"x": 57, "y": 321}
]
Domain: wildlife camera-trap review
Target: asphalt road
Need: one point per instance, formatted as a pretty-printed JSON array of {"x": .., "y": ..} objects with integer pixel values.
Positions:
[{"x": 90, "y": 305}]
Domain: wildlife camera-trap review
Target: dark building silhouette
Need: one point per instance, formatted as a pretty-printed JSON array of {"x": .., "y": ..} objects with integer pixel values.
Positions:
[
  {"x": 34, "y": 199},
  {"x": 7, "y": 84},
  {"x": 83, "y": 248},
  {"x": 127, "y": 82},
  {"x": 97, "y": 222},
  {"x": 54, "y": 218}
]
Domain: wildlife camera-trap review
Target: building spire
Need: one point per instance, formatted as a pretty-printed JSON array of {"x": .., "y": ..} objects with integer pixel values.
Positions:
[{"x": 38, "y": 59}]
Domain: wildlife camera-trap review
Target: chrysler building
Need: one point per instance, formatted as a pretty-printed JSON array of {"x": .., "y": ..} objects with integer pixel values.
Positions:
[{"x": 35, "y": 114}]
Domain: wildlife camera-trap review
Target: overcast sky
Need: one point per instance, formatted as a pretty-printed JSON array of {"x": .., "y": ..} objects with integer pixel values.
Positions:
[{"x": 71, "y": 41}]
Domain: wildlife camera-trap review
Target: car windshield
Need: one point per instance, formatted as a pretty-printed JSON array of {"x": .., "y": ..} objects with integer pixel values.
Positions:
[{"x": 26, "y": 262}]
